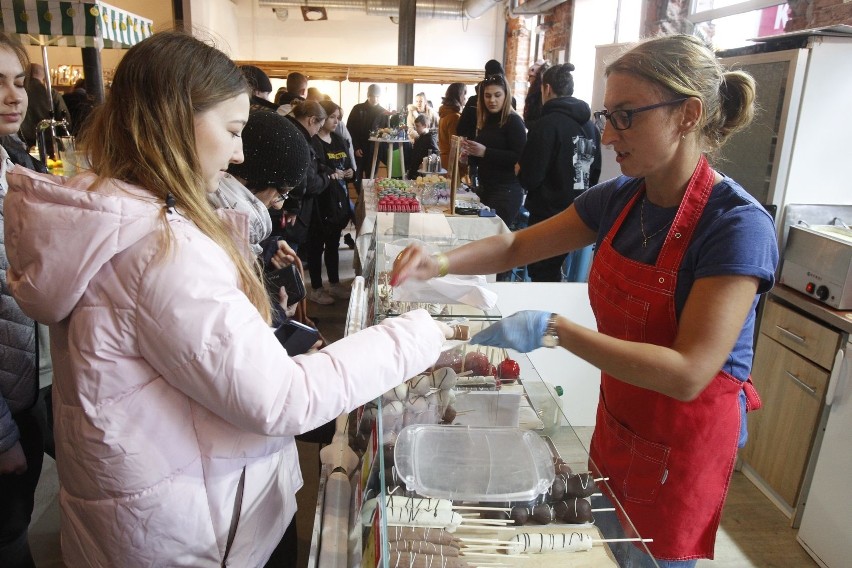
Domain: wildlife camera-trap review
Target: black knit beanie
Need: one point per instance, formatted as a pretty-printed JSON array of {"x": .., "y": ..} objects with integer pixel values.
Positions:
[
  {"x": 493, "y": 67},
  {"x": 276, "y": 153},
  {"x": 257, "y": 79}
]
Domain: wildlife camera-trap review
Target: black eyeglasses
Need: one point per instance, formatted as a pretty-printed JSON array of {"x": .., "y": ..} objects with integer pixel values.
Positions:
[
  {"x": 282, "y": 194},
  {"x": 623, "y": 119}
]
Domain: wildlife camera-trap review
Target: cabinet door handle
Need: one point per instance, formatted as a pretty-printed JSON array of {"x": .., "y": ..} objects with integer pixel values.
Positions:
[
  {"x": 791, "y": 335},
  {"x": 803, "y": 385}
]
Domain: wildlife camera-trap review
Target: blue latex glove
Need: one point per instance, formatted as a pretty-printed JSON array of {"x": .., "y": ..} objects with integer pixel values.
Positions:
[{"x": 522, "y": 331}]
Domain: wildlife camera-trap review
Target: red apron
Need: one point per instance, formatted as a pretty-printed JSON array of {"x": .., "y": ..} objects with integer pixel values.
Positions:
[{"x": 669, "y": 463}]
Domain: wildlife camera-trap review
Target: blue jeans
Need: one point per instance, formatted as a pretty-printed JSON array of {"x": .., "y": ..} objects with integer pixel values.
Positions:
[
  {"x": 627, "y": 554},
  {"x": 578, "y": 264}
]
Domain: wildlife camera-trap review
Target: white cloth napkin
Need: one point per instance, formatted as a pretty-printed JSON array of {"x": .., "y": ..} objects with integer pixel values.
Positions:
[{"x": 451, "y": 289}]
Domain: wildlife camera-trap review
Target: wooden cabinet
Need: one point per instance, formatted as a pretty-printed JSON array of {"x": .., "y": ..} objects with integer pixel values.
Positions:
[{"x": 792, "y": 364}]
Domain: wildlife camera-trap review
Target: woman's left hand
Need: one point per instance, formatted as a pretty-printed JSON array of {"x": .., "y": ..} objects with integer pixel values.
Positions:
[
  {"x": 289, "y": 311},
  {"x": 522, "y": 331},
  {"x": 284, "y": 256},
  {"x": 474, "y": 148}
]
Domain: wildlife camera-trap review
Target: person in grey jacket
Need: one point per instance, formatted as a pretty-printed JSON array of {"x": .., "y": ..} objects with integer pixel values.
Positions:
[{"x": 21, "y": 438}]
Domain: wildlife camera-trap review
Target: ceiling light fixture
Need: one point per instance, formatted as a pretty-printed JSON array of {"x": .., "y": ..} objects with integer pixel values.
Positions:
[{"x": 313, "y": 13}]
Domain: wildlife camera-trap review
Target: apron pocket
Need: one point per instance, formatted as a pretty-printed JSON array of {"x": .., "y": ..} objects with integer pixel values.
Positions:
[
  {"x": 627, "y": 315},
  {"x": 636, "y": 464}
]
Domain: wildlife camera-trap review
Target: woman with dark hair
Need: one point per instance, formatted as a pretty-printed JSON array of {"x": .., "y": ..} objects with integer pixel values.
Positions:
[
  {"x": 333, "y": 209},
  {"x": 533, "y": 101},
  {"x": 499, "y": 142},
  {"x": 176, "y": 402},
  {"x": 308, "y": 117},
  {"x": 449, "y": 114}
]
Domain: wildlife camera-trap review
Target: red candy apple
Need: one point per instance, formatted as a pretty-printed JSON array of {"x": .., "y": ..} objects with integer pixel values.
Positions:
[
  {"x": 477, "y": 362},
  {"x": 508, "y": 371}
]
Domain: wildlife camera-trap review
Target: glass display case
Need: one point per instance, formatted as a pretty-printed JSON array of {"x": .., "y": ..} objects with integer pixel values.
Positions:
[{"x": 473, "y": 460}]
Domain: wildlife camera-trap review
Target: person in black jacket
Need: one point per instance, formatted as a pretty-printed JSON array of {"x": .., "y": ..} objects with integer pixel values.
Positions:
[
  {"x": 422, "y": 146},
  {"x": 533, "y": 100},
  {"x": 308, "y": 116},
  {"x": 333, "y": 210},
  {"x": 261, "y": 86},
  {"x": 561, "y": 159},
  {"x": 364, "y": 118},
  {"x": 466, "y": 125},
  {"x": 498, "y": 145}
]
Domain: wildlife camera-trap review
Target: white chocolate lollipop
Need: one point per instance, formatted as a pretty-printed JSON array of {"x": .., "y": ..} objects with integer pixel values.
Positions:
[
  {"x": 399, "y": 393},
  {"x": 541, "y": 543}
]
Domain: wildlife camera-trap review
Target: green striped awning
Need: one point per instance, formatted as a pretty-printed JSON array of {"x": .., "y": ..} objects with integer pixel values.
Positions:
[{"x": 72, "y": 23}]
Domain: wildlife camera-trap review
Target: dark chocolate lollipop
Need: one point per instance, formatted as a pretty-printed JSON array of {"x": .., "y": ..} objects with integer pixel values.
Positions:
[
  {"x": 557, "y": 490},
  {"x": 520, "y": 515},
  {"x": 580, "y": 485},
  {"x": 574, "y": 511},
  {"x": 543, "y": 514},
  {"x": 494, "y": 510}
]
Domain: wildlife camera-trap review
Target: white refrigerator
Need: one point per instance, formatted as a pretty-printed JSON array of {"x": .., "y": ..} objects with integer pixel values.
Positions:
[{"x": 826, "y": 529}]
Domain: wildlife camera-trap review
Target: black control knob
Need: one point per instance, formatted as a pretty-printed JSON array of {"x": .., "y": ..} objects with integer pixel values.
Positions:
[{"x": 822, "y": 293}]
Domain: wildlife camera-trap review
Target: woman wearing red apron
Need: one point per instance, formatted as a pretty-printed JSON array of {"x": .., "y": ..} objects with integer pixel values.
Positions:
[{"x": 682, "y": 254}]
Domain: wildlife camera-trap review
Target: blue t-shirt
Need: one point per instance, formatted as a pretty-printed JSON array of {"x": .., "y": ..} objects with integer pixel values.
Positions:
[{"x": 735, "y": 236}]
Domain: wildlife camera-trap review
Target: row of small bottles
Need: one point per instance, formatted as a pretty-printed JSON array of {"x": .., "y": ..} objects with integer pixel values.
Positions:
[{"x": 431, "y": 163}]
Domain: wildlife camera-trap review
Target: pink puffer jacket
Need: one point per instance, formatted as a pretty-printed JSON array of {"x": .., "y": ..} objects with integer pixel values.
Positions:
[{"x": 168, "y": 383}]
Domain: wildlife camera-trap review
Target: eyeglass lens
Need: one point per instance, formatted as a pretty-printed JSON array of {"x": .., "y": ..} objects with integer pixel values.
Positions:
[{"x": 623, "y": 119}]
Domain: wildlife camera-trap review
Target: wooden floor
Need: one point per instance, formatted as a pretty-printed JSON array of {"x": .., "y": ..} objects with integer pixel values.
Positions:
[{"x": 754, "y": 533}]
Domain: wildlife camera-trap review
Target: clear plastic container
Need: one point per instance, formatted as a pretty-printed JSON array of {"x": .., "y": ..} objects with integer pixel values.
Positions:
[
  {"x": 546, "y": 402},
  {"x": 473, "y": 463},
  {"x": 487, "y": 408}
]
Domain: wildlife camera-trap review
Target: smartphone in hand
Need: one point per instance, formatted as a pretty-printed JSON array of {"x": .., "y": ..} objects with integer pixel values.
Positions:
[{"x": 297, "y": 338}]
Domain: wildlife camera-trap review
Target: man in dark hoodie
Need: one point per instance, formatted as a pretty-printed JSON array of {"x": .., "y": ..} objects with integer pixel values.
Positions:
[{"x": 562, "y": 158}]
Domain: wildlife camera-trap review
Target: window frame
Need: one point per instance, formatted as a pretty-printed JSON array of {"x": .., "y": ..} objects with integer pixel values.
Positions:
[{"x": 732, "y": 10}]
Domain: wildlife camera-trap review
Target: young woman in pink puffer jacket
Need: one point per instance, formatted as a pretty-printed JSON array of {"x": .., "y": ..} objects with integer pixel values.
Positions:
[{"x": 175, "y": 405}]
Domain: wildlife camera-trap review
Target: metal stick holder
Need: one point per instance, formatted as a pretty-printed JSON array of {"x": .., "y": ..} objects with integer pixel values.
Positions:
[{"x": 53, "y": 139}]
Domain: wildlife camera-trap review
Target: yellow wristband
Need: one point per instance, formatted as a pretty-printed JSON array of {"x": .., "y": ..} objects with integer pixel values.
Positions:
[{"x": 443, "y": 263}]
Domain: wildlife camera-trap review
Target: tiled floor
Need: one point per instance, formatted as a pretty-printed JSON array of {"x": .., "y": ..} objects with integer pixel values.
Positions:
[{"x": 754, "y": 533}]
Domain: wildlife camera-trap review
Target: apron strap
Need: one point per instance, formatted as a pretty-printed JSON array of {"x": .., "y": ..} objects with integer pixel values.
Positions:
[{"x": 753, "y": 401}]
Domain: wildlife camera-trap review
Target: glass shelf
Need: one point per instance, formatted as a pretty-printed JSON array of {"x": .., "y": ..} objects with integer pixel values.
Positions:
[
  {"x": 540, "y": 409},
  {"x": 393, "y": 231}
]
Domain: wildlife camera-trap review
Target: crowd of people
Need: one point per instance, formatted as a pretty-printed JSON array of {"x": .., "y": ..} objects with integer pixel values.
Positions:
[{"x": 176, "y": 406}]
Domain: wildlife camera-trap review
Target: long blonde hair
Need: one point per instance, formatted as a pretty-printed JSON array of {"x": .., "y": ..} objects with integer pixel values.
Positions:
[{"x": 144, "y": 134}]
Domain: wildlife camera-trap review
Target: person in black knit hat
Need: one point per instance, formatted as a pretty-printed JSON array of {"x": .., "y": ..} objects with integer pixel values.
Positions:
[{"x": 276, "y": 155}]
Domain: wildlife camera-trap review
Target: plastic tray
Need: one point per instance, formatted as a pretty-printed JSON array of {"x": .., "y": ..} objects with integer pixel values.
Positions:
[
  {"x": 487, "y": 408},
  {"x": 473, "y": 463}
]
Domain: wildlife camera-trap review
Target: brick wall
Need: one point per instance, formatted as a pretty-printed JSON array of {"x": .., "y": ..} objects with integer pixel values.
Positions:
[
  {"x": 517, "y": 58},
  {"x": 806, "y": 14},
  {"x": 558, "y": 35}
]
